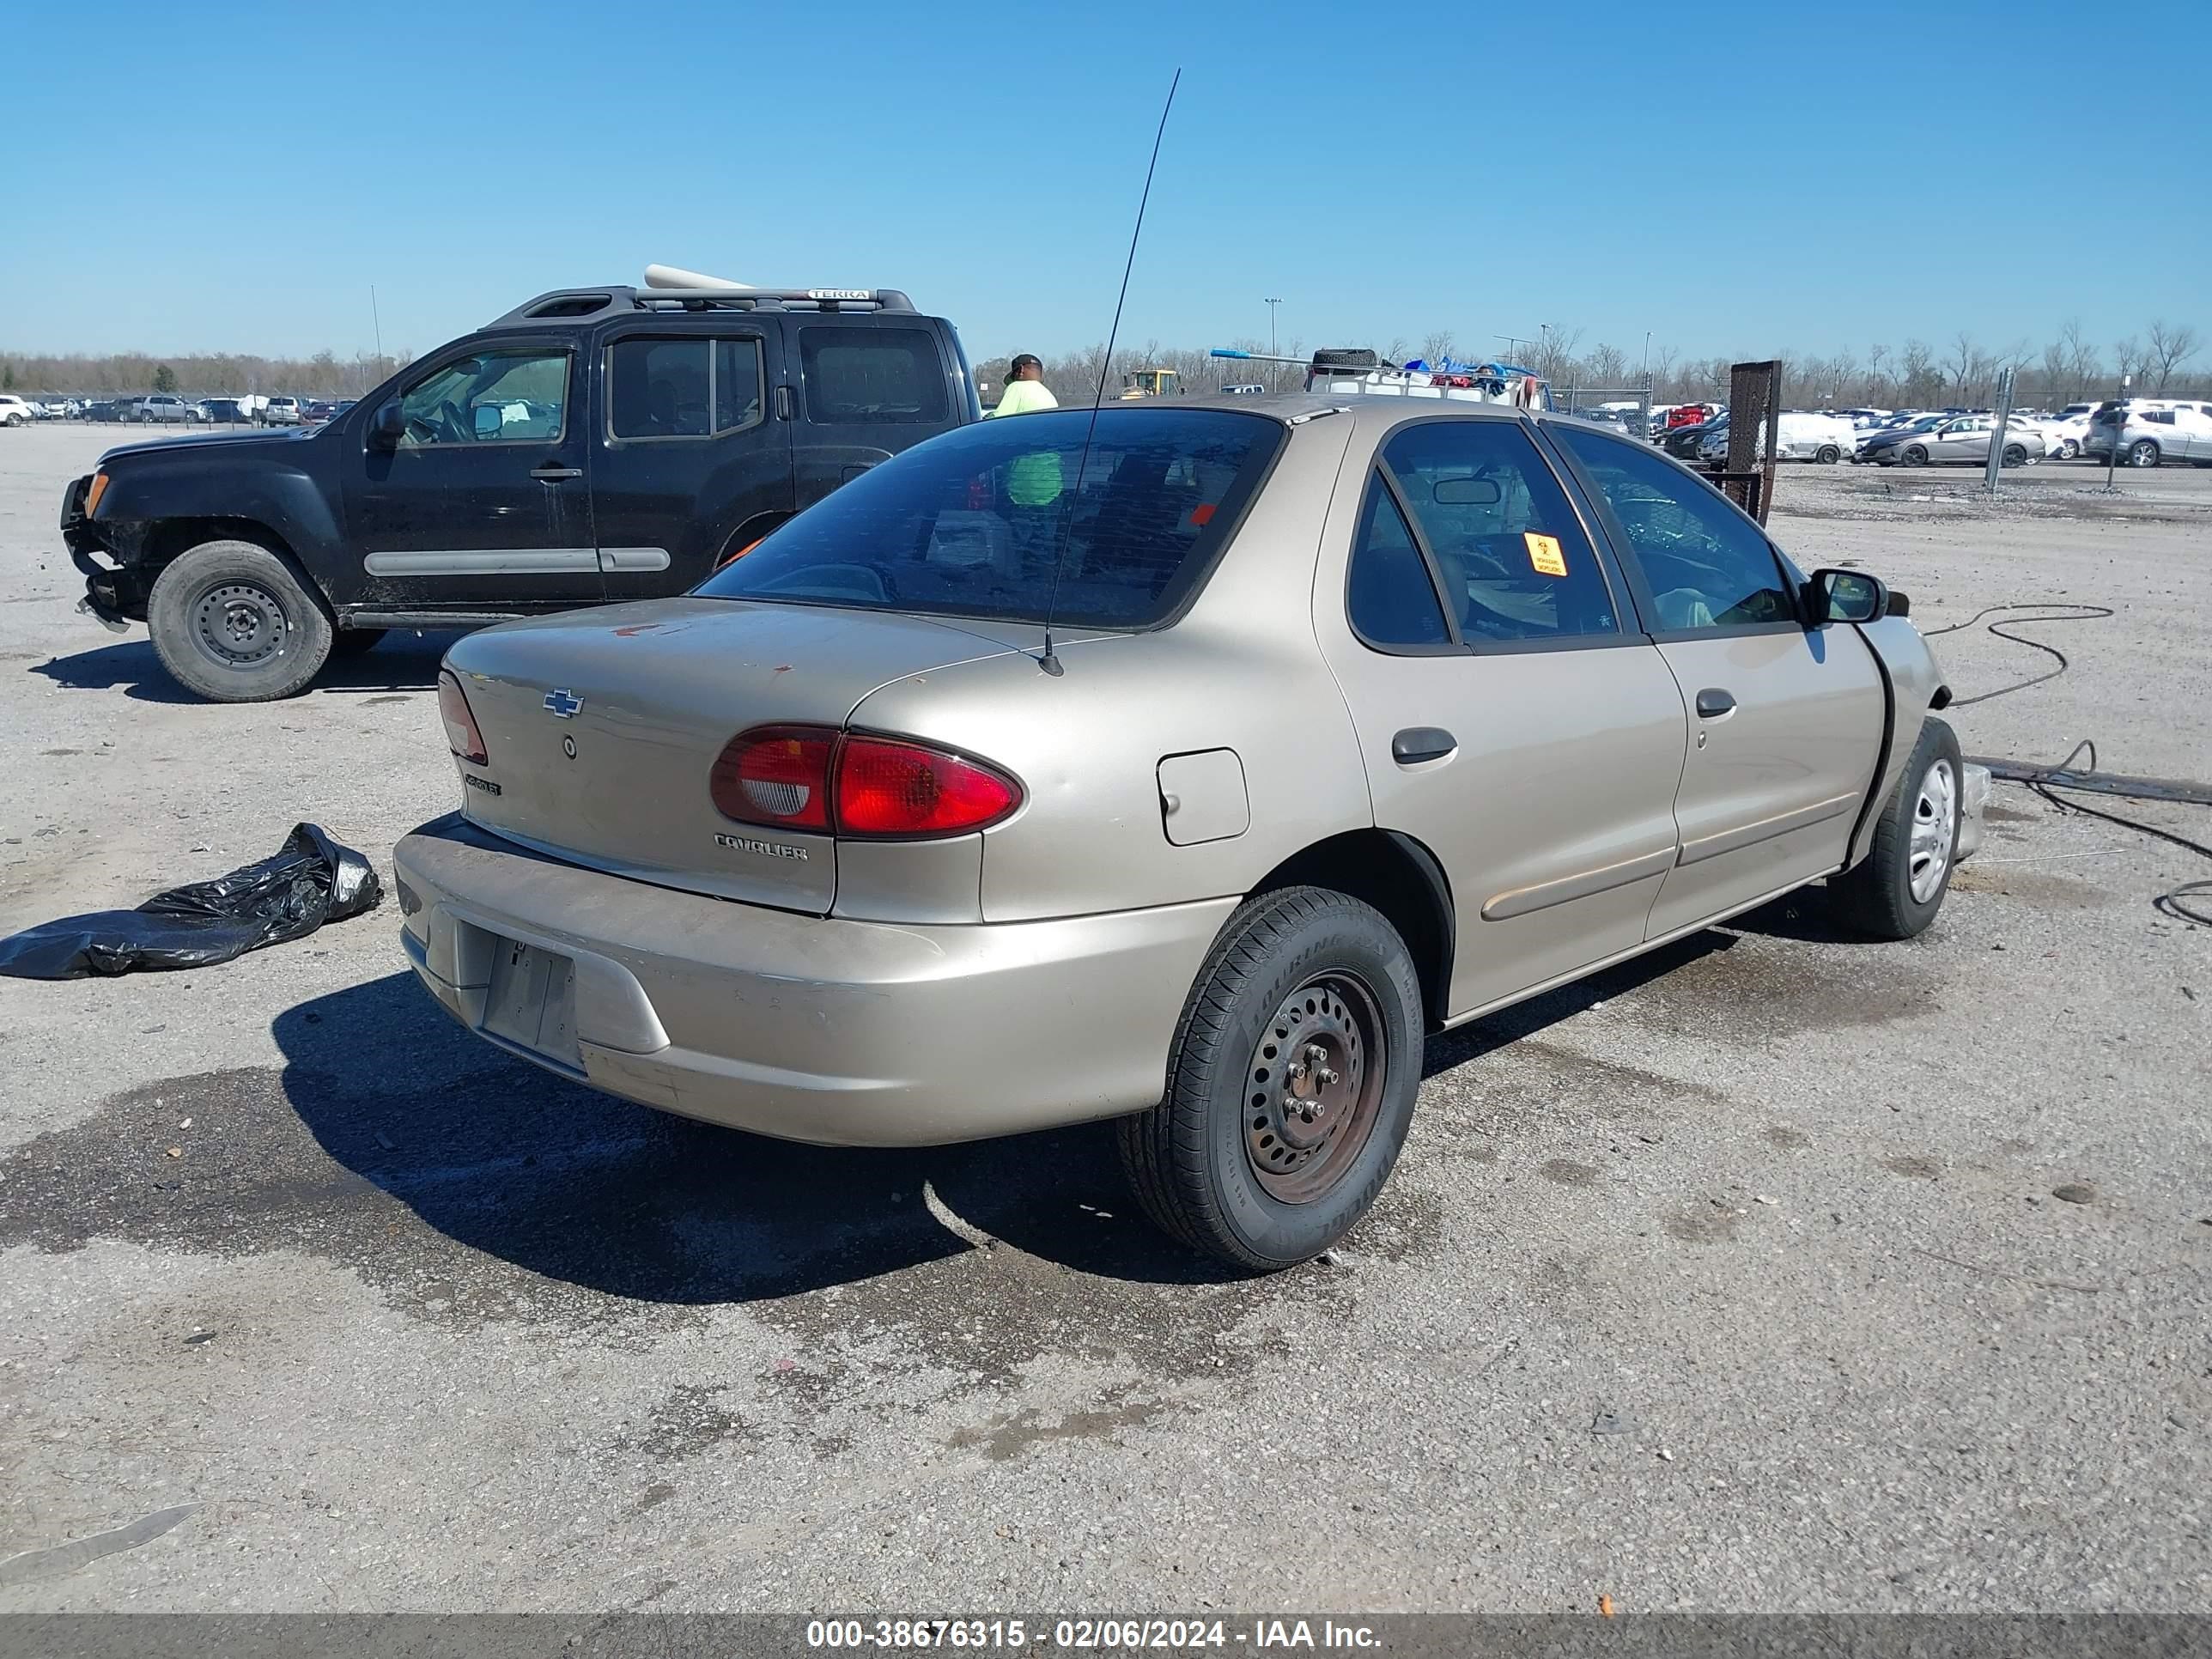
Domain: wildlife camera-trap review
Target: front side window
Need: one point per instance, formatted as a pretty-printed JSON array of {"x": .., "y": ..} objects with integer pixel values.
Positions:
[
  {"x": 866, "y": 376},
  {"x": 985, "y": 520},
  {"x": 1506, "y": 543},
  {"x": 693, "y": 387},
  {"x": 494, "y": 397},
  {"x": 1708, "y": 565}
]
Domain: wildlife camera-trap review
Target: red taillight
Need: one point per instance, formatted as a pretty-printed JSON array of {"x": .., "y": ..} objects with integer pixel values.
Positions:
[
  {"x": 891, "y": 788},
  {"x": 776, "y": 775},
  {"x": 810, "y": 777},
  {"x": 461, "y": 734}
]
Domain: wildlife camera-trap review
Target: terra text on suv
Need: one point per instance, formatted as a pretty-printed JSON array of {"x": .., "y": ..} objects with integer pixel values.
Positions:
[{"x": 591, "y": 446}]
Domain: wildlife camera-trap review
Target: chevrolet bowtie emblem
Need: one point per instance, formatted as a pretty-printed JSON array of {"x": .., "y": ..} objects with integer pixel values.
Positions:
[{"x": 562, "y": 703}]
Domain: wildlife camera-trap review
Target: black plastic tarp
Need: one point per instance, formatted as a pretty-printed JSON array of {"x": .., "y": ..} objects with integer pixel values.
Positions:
[{"x": 311, "y": 880}]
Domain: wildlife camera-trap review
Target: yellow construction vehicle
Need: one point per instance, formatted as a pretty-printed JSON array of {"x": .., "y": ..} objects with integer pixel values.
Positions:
[{"x": 1148, "y": 383}]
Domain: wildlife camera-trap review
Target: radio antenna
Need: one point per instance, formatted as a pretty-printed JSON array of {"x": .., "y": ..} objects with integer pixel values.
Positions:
[{"x": 1049, "y": 661}]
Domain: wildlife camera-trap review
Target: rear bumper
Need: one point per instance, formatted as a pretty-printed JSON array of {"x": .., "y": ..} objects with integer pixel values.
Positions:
[{"x": 837, "y": 1032}]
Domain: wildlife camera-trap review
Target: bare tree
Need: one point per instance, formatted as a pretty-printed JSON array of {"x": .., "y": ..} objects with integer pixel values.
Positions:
[
  {"x": 1436, "y": 345},
  {"x": 1965, "y": 359},
  {"x": 2172, "y": 344},
  {"x": 1607, "y": 366},
  {"x": 1875, "y": 382},
  {"x": 2128, "y": 357},
  {"x": 2082, "y": 368}
]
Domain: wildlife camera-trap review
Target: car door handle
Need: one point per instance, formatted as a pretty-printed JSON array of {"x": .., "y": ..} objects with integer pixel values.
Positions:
[
  {"x": 554, "y": 474},
  {"x": 1713, "y": 703},
  {"x": 1417, "y": 744}
]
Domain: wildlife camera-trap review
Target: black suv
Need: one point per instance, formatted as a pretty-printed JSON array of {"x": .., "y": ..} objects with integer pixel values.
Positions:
[{"x": 592, "y": 446}]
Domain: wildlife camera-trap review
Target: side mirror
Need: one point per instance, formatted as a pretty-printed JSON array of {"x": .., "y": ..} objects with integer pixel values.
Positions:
[
  {"x": 389, "y": 426},
  {"x": 1845, "y": 596}
]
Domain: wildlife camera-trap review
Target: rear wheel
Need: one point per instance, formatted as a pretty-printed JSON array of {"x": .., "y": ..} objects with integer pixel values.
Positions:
[
  {"x": 2142, "y": 452},
  {"x": 2015, "y": 455},
  {"x": 1896, "y": 890},
  {"x": 1290, "y": 1086},
  {"x": 231, "y": 624},
  {"x": 1828, "y": 455}
]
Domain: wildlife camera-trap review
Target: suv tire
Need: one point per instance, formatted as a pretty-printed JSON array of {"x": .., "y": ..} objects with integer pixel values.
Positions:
[
  {"x": 1345, "y": 358},
  {"x": 2143, "y": 453},
  {"x": 231, "y": 623},
  {"x": 1828, "y": 455},
  {"x": 1307, "y": 1004},
  {"x": 1896, "y": 890}
]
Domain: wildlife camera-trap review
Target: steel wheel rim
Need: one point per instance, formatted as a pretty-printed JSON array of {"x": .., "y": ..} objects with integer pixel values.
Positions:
[
  {"x": 1935, "y": 823},
  {"x": 240, "y": 625},
  {"x": 1313, "y": 1091}
]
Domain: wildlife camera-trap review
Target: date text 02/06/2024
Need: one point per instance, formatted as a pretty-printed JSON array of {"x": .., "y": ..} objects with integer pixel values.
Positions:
[{"x": 1084, "y": 1634}]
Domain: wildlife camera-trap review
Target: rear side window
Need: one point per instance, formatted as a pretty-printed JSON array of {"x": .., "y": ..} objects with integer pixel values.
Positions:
[
  {"x": 867, "y": 375},
  {"x": 1390, "y": 596},
  {"x": 692, "y": 388},
  {"x": 1708, "y": 565},
  {"x": 1510, "y": 552},
  {"x": 975, "y": 523}
]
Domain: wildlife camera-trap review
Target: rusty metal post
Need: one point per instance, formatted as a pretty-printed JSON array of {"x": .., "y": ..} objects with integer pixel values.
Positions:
[{"x": 1754, "y": 433}]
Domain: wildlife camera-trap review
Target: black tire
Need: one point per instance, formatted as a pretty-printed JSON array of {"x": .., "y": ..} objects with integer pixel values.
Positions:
[
  {"x": 1914, "y": 455},
  {"x": 1345, "y": 358},
  {"x": 1191, "y": 1158},
  {"x": 1828, "y": 455},
  {"x": 2014, "y": 455},
  {"x": 233, "y": 623},
  {"x": 1876, "y": 896},
  {"x": 2143, "y": 453},
  {"x": 356, "y": 642}
]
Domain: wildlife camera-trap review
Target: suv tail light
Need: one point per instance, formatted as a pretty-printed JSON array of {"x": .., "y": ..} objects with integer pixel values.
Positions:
[
  {"x": 853, "y": 785},
  {"x": 461, "y": 734}
]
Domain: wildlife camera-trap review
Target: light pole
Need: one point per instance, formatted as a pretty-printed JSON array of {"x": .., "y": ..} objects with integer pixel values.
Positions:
[
  {"x": 1274, "y": 370},
  {"x": 2120, "y": 429}
]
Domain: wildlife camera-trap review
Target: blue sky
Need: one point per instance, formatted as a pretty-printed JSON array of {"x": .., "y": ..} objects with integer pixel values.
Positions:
[{"x": 1912, "y": 169}]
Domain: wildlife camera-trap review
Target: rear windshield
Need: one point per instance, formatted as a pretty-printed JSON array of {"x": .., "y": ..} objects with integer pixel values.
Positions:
[{"x": 973, "y": 523}]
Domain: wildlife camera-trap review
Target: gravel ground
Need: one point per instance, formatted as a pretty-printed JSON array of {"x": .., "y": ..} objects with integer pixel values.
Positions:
[{"x": 1736, "y": 1278}]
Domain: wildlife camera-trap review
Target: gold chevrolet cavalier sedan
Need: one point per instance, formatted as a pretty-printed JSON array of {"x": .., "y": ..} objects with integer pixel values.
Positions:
[{"x": 1185, "y": 773}]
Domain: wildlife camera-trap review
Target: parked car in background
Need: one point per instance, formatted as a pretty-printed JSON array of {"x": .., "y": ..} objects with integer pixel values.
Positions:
[
  {"x": 590, "y": 446},
  {"x": 162, "y": 408},
  {"x": 316, "y": 411},
  {"x": 2151, "y": 431},
  {"x": 14, "y": 411},
  {"x": 98, "y": 409},
  {"x": 1684, "y": 442},
  {"x": 1963, "y": 441},
  {"x": 281, "y": 412},
  {"x": 224, "y": 412},
  {"x": 784, "y": 854}
]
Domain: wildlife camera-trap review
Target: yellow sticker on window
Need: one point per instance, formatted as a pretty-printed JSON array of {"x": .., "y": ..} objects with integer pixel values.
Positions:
[{"x": 1544, "y": 553}]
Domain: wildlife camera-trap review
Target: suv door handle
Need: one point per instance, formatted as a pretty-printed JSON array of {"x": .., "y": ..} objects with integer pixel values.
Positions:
[
  {"x": 784, "y": 409},
  {"x": 1417, "y": 744},
  {"x": 1713, "y": 703},
  {"x": 554, "y": 474}
]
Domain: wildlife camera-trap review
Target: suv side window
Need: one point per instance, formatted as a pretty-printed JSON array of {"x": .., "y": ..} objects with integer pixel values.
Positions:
[
  {"x": 1707, "y": 564},
  {"x": 863, "y": 376},
  {"x": 689, "y": 387},
  {"x": 493, "y": 397},
  {"x": 1513, "y": 560},
  {"x": 1388, "y": 595}
]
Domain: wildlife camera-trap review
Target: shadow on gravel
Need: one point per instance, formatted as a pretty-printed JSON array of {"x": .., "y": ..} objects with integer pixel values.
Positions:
[
  {"x": 583, "y": 1189},
  {"x": 401, "y": 661}
]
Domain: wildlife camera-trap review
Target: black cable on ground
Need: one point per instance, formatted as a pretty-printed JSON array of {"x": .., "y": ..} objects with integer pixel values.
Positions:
[
  {"x": 2173, "y": 902},
  {"x": 2051, "y": 612}
]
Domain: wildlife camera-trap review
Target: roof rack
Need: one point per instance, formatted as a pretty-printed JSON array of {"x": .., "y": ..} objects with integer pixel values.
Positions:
[{"x": 570, "y": 305}]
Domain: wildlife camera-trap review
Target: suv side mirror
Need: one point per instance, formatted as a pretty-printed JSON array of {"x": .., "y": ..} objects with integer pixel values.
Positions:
[
  {"x": 1845, "y": 596},
  {"x": 389, "y": 426}
]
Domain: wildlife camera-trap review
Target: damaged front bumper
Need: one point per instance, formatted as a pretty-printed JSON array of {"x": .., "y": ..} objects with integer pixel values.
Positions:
[
  {"x": 113, "y": 596},
  {"x": 1973, "y": 803}
]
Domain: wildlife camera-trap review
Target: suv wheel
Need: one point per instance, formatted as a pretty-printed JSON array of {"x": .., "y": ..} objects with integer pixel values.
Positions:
[
  {"x": 1896, "y": 890},
  {"x": 2142, "y": 452},
  {"x": 1828, "y": 455},
  {"x": 231, "y": 622},
  {"x": 1290, "y": 1086}
]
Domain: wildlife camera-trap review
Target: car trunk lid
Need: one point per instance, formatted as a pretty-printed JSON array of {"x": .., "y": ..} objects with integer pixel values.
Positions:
[{"x": 601, "y": 728}]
